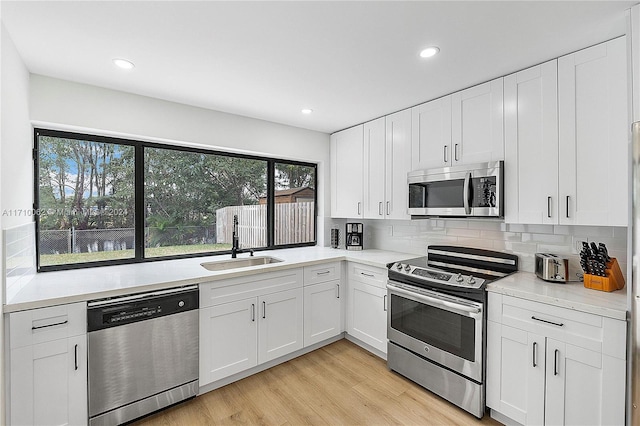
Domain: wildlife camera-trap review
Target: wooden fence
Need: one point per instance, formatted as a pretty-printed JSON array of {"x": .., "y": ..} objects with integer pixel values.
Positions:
[{"x": 294, "y": 223}]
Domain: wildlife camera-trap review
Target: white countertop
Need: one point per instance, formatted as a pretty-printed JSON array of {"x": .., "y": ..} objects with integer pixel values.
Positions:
[
  {"x": 55, "y": 288},
  {"x": 574, "y": 295}
]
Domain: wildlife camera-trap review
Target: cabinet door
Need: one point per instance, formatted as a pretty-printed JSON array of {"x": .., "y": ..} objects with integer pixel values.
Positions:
[
  {"x": 531, "y": 145},
  {"x": 322, "y": 311},
  {"x": 367, "y": 307},
  {"x": 593, "y": 132},
  {"x": 374, "y": 169},
  {"x": 49, "y": 383},
  {"x": 583, "y": 388},
  {"x": 431, "y": 134},
  {"x": 477, "y": 124},
  {"x": 398, "y": 164},
  {"x": 515, "y": 373},
  {"x": 280, "y": 329},
  {"x": 347, "y": 173},
  {"x": 228, "y": 339}
]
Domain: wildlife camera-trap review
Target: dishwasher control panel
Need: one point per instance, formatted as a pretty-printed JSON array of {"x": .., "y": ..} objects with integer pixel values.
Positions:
[{"x": 107, "y": 313}]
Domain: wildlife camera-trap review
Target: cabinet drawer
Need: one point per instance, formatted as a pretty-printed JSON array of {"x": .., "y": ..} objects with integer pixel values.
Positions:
[
  {"x": 321, "y": 273},
  {"x": 586, "y": 330},
  {"x": 46, "y": 324},
  {"x": 233, "y": 289},
  {"x": 368, "y": 274}
]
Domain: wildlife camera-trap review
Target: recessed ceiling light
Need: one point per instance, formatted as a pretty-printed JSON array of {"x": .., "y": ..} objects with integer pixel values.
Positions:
[
  {"x": 429, "y": 52},
  {"x": 124, "y": 64},
  {"x": 306, "y": 111}
]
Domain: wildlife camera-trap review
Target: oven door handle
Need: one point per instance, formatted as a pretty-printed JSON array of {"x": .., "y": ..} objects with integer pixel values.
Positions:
[{"x": 434, "y": 301}]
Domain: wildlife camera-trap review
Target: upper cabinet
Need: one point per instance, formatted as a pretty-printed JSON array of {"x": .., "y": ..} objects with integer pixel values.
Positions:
[
  {"x": 566, "y": 140},
  {"x": 347, "y": 172},
  {"x": 593, "y": 132},
  {"x": 371, "y": 182},
  {"x": 531, "y": 145},
  {"x": 462, "y": 128}
]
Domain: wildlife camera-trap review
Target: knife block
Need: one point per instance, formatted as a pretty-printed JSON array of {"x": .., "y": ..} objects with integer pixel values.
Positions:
[{"x": 614, "y": 279}]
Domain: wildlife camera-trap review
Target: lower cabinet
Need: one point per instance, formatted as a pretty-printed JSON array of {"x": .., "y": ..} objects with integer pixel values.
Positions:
[
  {"x": 367, "y": 305},
  {"x": 553, "y": 366},
  {"x": 322, "y": 311},
  {"x": 48, "y": 366},
  {"x": 239, "y": 332}
]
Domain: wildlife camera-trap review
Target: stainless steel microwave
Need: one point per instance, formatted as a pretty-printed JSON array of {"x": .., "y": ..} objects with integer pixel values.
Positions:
[{"x": 473, "y": 190}]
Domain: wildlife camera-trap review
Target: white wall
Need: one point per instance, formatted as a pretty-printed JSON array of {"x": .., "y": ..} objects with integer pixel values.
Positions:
[
  {"x": 63, "y": 104},
  {"x": 16, "y": 138},
  {"x": 16, "y": 171}
]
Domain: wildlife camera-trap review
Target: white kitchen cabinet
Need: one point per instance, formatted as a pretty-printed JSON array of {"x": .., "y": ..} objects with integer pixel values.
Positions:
[
  {"x": 397, "y": 165},
  {"x": 280, "y": 328},
  {"x": 48, "y": 366},
  {"x": 374, "y": 169},
  {"x": 323, "y": 311},
  {"x": 324, "y": 296},
  {"x": 462, "y": 128},
  {"x": 593, "y": 135},
  {"x": 367, "y": 305},
  {"x": 236, "y": 325},
  {"x": 385, "y": 160},
  {"x": 431, "y": 134},
  {"x": 531, "y": 145},
  {"x": 552, "y": 365},
  {"x": 347, "y": 173},
  {"x": 249, "y": 320},
  {"x": 477, "y": 133}
]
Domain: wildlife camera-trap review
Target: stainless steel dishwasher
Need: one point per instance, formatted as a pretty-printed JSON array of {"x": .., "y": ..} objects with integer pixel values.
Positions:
[{"x": 143, "y": 353}]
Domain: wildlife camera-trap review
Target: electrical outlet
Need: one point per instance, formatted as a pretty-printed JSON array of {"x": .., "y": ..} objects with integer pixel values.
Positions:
[{"x": 578, "y": 244}]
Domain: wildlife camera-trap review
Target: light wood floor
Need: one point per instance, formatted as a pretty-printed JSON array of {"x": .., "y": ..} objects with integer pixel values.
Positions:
[{"x": 339, "y": 384}]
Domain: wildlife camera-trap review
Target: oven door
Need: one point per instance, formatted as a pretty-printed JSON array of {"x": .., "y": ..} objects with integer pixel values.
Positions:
[{"x": 439, "y": 327}]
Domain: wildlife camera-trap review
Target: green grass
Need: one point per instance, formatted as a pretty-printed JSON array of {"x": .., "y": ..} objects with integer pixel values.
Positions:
[{"x": 65, "y": 259}]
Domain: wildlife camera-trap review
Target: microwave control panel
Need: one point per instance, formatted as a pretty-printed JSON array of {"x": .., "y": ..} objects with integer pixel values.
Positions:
[{"x": 484, "y": 192}]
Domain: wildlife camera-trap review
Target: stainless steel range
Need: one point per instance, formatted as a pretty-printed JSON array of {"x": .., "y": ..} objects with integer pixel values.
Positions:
[{"x": 436, "y": 322}]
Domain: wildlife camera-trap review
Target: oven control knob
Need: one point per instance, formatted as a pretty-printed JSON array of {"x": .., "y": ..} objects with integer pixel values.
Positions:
[
  {"x": 459, "y": 278},
  {"x": 471, "y": 280},
  {"x": 399, "y": 266},
  {"x": 407, "y": 267}
]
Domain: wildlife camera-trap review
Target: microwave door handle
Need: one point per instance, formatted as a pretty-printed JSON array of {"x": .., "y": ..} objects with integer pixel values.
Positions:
[{"x": 465, "y": 194}]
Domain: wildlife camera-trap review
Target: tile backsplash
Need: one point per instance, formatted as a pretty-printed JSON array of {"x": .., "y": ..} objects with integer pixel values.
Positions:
[
  {"x": 20, "y": 258},
  {"x": 523, "y": 240}
]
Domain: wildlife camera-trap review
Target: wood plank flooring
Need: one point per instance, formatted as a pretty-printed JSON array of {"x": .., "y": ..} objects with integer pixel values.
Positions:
[{"x": 339, "y": 384}]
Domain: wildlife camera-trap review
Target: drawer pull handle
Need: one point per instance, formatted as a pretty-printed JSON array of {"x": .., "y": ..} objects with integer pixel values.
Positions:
[
  {"x": 322, "y": 273},
  {"x": 49, "y": 325},
  {"x": 367, "y": 275},
  {"x": 548, "y": 322}
]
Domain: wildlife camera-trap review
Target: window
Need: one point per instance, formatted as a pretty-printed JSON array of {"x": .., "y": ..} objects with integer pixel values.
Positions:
[
  {"x": 85, "y": 201},
  {"x": 295, "y": 197},
  {"x": 191, "y": 199},
  {"x": 109, "y": 201}
]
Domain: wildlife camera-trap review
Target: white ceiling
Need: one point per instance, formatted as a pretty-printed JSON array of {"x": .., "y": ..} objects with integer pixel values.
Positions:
[{"x": 348, "y": 61}]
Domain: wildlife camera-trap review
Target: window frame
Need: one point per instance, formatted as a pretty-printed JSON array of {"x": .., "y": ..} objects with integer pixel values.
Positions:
[{"x": 139, "y": 200}]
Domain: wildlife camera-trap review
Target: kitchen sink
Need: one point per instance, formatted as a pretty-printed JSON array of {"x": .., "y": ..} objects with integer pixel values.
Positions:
[{"x": 222, "y": 265}]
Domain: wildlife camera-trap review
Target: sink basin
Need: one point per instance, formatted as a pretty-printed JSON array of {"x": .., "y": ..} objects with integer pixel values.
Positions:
[{"x": 243, "y": 262}]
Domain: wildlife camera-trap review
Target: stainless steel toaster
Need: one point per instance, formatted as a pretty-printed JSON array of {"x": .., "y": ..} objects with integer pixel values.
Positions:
[{"x": 553, "y": 267}]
